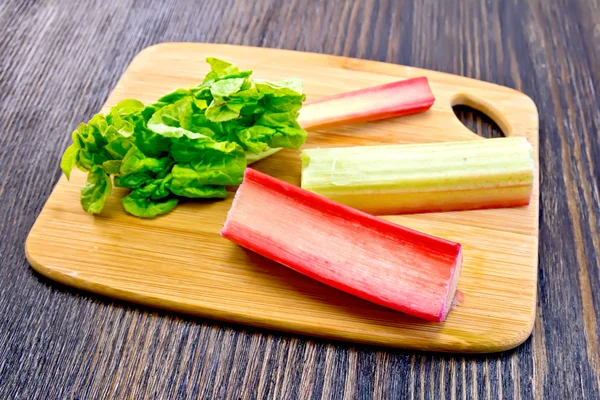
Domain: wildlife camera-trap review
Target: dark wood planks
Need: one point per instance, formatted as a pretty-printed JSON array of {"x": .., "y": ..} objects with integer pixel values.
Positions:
[{"x": 61, "y": 59}]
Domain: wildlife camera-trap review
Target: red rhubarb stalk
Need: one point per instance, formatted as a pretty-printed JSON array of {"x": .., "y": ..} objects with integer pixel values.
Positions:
[
  {"x": 373, "y": 103},
  {"x": 350, "y": 250}
]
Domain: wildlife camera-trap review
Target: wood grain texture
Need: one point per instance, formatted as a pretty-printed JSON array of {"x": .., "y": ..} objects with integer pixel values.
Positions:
[
  {"x": 62, "y": 59},
  {"x": 181, "y": 263}
]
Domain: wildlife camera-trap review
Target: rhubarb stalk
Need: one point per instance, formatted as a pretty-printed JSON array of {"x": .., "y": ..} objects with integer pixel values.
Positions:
[
  {"x": 395, "y": 179},
  {"x": 373, "y": 103},
  {"x": 350, "y": 250}
]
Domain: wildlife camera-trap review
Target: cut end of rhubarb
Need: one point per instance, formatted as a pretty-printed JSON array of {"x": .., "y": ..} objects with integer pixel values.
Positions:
[
  {"x": 451, "y": 298},
  {"x": 459, "y": 297},
  {"x": 352, "y": 251},
  {"x": 394, "y": 99}
]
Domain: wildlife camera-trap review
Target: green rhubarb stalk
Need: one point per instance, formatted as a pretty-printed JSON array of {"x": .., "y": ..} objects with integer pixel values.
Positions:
[{"x": 412, "y": 178}]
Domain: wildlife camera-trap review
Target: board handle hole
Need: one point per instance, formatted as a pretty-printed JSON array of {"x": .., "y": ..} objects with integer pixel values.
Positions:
[{"x": 477, "y": 121}]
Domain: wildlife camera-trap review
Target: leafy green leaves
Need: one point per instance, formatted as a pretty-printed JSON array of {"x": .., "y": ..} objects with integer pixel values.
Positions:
[
  {"x": 95, "y": 191},
  {"x": 69, "y": 159},
  {"x": 145, "y": 207},
  {"x": 190, "y": 143}
]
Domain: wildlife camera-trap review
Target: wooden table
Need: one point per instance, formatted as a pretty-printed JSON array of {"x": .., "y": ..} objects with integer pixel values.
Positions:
[{"x": 59, "y": 61}]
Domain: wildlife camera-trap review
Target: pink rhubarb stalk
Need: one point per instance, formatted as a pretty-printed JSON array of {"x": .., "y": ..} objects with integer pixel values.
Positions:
[
  {"x": 373, "y": 103},
  {"x": 360, "y": 254}
]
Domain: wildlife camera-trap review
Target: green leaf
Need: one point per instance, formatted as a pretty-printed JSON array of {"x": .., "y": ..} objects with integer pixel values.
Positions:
[
  {"x": 247, "y": 96},
  {"x": 200, "y": 192},
  {"x": 226, "y": 87},
  {"x": 200, "y": 103},
  {"x": 291, "y": 137},
  {"x": 173, "y": 97},
  {"x": 186, "y": 149},
  {"x": 169, "y": 115},
  {"x": 201, "y": 93},
  {"x": 213, "y": 163},
  {"x": 166, "y": 121},
  {"x": 91, "y": 140},
  {"x": 118, "y": 148},
  {"x": 69, "y": 159},
  {"x": 251, "y": 158},
  {"x": 135, "y": 161},
  {"x": 90, "y": 137},
  {"x": 220, "y": 68},
  {"x": 150, "y": 200},
  {"x": 127, "y": 107},
  {"x": 156, "y": 189},
  {"x": 200, "y": 173},
  {"x": 289, "y": 87},
  {"x": 150, "y": 143},
  {"x": 111, "y": 167},
  {"x": 133, "y": 181},
  {"x": 220, "y": 111},
  {"x": 198, "y": 123},
  {"x": 285, "y": 104},
  {"x": 255, "y": 138},
  {"x": 162, "y": 188},
  {"x": 145, "y": 207},
  {"x": 87, "y": 160},
  {"x": 120, "y": 128},
  {"x": 147, "y": 190},
  {"x": 273, "y": 130},
  {"x": 95, "y": 191},
  {"x": 278, "y": 97},
  {"x": 206, "y": 163},
  {"x": 184, "y": 114}
]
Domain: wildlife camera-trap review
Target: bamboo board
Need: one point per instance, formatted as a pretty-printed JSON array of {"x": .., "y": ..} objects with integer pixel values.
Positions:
[{"x": 180, "y": 262}]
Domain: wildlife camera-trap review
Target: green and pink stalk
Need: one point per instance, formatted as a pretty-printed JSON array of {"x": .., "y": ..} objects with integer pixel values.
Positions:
[
  {"x": 430, "y": 177},
  {"x": 394, "y": 99}
]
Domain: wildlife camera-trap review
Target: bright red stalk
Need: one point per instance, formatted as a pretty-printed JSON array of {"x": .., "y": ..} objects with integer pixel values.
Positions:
[
  {"x": 350, "y": 250},
  {"x": 373, "y": 103}
]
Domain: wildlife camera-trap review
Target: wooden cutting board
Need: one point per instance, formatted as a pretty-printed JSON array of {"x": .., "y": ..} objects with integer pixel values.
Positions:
[{"x": 179, "y": 262}]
